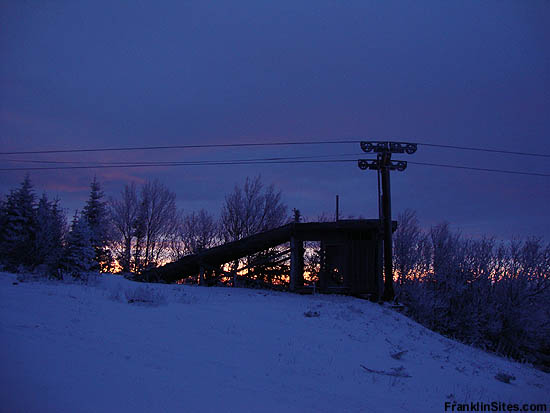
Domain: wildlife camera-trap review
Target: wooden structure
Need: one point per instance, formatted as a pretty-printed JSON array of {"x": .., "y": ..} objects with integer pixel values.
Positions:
[{"x": 351, "y": 255}]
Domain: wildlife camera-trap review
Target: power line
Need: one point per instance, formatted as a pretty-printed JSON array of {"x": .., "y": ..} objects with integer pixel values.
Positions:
[
  {"x": 115, "y": 163},
  {"x": 479, "y": 169},
  {"x": 469, "y": 148},
  {"x": 260, "y": 161},
  {"x": 190, "y": 163},
  {"x": 260, "y": 144},
  {"x": 203, "y": 146}
]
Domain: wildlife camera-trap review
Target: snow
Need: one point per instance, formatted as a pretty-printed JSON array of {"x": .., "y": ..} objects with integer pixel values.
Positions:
[{"x": 69, "y": 347}]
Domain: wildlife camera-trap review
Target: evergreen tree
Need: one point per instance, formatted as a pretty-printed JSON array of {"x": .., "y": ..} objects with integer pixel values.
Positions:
[
  {"x": 50, "y": 228},
  {"x": 79, "y": 256},
  {"x": 18, "y": 227},
  {"x": 42, "y": 239},
  {"x": 58, "y": 229},
  {"x": 96, "y": 214}
]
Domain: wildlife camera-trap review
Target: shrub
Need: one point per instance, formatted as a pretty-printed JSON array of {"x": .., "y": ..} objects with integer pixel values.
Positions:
[
  {"x": 144, "y": 295},
  {"x": 494, "y": 296}
]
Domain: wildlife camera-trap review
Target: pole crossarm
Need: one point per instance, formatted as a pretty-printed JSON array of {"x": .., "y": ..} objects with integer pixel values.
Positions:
[
  {"x": 377, "y": 164},
  {"x": 392, "y": 147}
]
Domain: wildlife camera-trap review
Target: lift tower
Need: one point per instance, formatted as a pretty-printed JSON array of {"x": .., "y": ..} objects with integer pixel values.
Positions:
[{"x": 383, "y": 164}]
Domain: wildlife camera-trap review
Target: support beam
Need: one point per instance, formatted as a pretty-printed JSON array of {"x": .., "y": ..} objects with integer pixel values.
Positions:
[
  {"x": 379, "y": 289},
  {"x": 386, "y": 211},
  {"x": 296, "y": 263},
  {"x": 202, "y": 278}
]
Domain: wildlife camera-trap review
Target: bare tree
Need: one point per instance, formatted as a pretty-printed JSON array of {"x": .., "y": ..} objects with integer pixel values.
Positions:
[
  {"x": 406, "y": 243},
  {"x": 200, "y": 232},
  {"x": 124, "y": 213},
  {"x": 177, "y": 247},
  {"x": 144, "y": 224},
  {"x": 157, "y": 220},
  {"x": 251, "y": 209},
  {"x": 195, "y": 232}
]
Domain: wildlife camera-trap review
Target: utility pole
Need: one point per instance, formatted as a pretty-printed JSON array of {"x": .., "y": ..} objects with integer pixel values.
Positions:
[{"x": 384, "y": 164}]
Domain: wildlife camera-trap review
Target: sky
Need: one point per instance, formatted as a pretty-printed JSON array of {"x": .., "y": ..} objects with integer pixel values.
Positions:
[{"x": 82, "y": 74}]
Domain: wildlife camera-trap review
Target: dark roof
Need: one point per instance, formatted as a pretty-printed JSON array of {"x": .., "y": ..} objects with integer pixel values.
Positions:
[{"x": 216, "y": 256}]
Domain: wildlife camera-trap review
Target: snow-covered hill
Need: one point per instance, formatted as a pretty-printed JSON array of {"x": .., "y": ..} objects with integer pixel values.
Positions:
[{"x": 76, "y": 348}]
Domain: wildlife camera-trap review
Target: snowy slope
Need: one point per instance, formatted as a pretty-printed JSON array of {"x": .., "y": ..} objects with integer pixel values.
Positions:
[{"x": 75, "y": 348}]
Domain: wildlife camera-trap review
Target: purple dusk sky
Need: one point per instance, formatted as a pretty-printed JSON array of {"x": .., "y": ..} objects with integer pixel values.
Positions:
[{"x": 88, "y": 74}]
